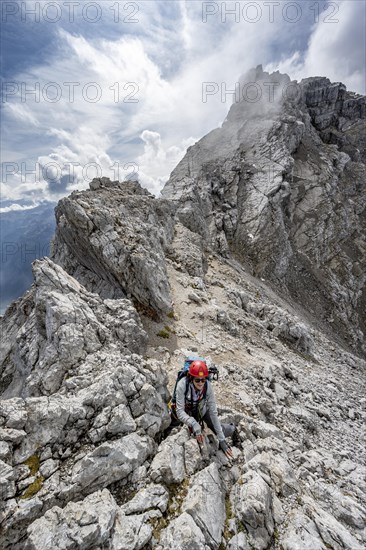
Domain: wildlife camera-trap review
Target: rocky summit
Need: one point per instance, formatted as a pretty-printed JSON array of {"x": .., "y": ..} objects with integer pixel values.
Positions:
[{"x": 255, "y": 259}]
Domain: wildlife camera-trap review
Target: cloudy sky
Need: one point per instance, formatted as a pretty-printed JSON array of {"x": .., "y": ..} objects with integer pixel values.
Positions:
[{"x": 114, "y": 88}]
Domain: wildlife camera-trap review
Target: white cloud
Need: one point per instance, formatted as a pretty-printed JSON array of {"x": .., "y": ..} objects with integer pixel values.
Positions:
[
  {"x": 22, "y": 113},
  {"x": 16, "y": 207},
  {"x": 336, "y": 48},
  {"x": 165, "y": 57},
  {"x": 157, "y": 161}
]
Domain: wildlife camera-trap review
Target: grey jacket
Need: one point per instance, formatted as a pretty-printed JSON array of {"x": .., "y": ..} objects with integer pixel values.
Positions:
[{"x": 208, "y": 405}]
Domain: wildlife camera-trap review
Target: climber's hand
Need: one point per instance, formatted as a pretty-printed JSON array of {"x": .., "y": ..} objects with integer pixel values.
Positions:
[
  {"x": 226, "y": 449},
  {"x": 199, "y": 438},
  {"x": 229, "y": 453}
]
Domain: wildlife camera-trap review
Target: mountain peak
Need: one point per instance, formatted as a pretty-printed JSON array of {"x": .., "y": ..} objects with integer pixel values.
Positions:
[{"x": 276, "y": 187}]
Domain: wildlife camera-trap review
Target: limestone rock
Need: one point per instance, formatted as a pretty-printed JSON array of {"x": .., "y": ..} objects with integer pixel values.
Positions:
[
  {"x": 186, "y": 251},
  {"x": 252, "y": 503},
  {"x": 331, "y": 531},
  {"x": 50, "y": 339},
  {"x": 205, "y": 502},
  {"x": 168, "y": 463},
  {"x": 183, "y": 533},
  {"x": 79, "y": 525},
  {"x": 343, "y": 507},
  {"x": 14, "y": 413},
  {"x": 112, "y": 239},
  {"x": 130, "y": 532},
  {"x": 152, "y": 496},
  {"x": 192, "y": 456},
  {"x": 238, "y": 542},
  {"x": 7, "y": 485},
  {"x": 71, "y": 356},
  {"x": 302, "y": 534},
  {"x": 110, "y": 462},
  {"x": 263, "y": 429},
  {"x": 276, "y": 469}
]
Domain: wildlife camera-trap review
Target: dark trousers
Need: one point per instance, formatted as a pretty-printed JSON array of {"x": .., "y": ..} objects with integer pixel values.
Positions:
[{"x": 228, "y": 429}]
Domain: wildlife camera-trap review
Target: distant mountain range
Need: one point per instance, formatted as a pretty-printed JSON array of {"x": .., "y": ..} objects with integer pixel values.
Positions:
[{"x": 25, "y": 236}]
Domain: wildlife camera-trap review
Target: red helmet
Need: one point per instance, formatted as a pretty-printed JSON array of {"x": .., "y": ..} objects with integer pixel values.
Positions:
[{"x": 198, "y": 369}]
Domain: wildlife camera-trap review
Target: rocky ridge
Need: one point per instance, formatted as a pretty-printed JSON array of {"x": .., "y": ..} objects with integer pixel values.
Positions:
[
  {"x": 88, "y": 355},
  {"x": 281, "y": 187}
]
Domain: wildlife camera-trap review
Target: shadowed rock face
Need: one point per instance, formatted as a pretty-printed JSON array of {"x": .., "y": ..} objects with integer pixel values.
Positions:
[
  {"x": 112, "y": 238},
  {"x": 338, "y": 115},
  {"x": 281, "y": 187}
]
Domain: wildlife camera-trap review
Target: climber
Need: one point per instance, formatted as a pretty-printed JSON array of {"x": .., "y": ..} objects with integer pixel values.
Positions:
[{"x": 195, "y": 405}]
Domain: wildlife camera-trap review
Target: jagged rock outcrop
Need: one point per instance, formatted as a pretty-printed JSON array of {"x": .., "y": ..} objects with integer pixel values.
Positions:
[
  {"x": 113, "y": 241},
  {"x": 338, "y": 115},
  {"x": 136, "y": 283},
  {"x": 281, "y": 186},
  {"x": 80, "y": 406},
  {"x": 59, "y": 326}
]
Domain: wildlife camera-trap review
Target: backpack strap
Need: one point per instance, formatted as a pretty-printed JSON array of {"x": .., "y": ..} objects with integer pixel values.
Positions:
[
  {"x": 203, "y": 396},
  {"x": 201, "y": 401},
  {"x": 197, "y": 405},
  {"x": 173, "y": 403},
  {"x": 187, "y": 387}
]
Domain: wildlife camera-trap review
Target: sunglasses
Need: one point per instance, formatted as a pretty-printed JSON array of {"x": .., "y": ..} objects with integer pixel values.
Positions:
[{"x": 199, "y": 380}]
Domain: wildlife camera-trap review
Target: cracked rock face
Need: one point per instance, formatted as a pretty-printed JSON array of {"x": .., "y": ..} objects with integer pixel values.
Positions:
[
  {"x": 205, "y": 503},
  {"x": 80, "y": 407},
  {"x": 113, "y": 238},
  {"x": 281, "y": 187}
]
